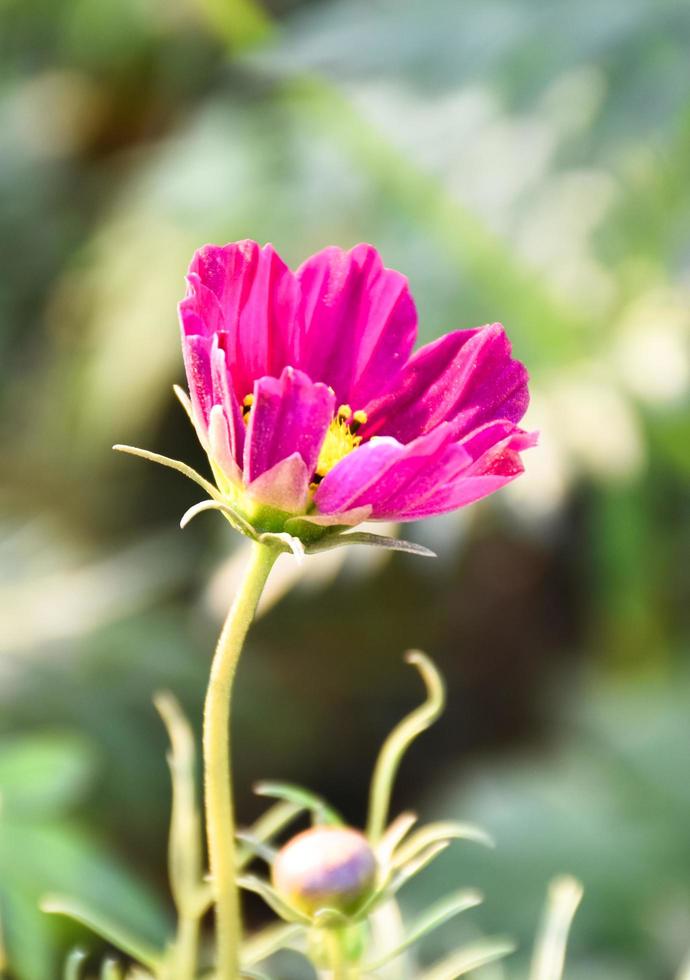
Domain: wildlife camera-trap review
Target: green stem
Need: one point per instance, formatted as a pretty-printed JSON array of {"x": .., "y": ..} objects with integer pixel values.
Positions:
[
  {"x": 337, "y": 960},
  {"x": 220, "y": 824}
]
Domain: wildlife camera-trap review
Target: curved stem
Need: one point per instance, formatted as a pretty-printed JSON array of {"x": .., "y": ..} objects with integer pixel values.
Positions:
[{"x": 220, "y": 825}]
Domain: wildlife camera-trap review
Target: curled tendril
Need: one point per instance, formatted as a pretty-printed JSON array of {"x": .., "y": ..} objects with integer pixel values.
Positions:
[{"x": 399, "y": 741}]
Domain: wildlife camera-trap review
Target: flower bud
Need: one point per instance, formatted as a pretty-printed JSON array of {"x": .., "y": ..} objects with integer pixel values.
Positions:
[{"x": 325, "y": 867}]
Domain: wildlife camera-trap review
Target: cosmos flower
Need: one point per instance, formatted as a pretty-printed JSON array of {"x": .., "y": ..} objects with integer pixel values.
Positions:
[{"x": 310, "y": 402}]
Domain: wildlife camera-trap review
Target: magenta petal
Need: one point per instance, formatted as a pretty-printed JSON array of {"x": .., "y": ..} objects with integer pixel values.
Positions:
[
  {"x": 467, "y": 377},
  {"x": 494, "y": 449},
  {"x": 290, "y": 414},
  {"x": 389, "y": 476},
  {"x": 285, "y": 485},
  {"x": 248, "y": 295},
  {"x": 360, "y": 322},
  {"x": 221, "y": 445},
  {"x": 197, "y": 361}
]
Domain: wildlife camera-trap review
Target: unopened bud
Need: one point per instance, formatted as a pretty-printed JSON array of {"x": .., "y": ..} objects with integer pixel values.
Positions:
[{"x": 325, "y": 867}]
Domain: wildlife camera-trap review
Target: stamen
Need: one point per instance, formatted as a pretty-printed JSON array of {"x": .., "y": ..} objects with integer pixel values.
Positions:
[
  {"x": 247, "y": 403},
  {"x": 344, "y": 412},
  {"x": 359, "y": 418}
]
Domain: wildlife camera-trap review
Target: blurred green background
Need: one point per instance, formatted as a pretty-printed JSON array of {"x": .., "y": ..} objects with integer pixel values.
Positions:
[{"x": 521, "y": 160}]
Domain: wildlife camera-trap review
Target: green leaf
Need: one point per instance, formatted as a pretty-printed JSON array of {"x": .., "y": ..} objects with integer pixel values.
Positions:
[
  {"x": 268, "y": 941},
  {"x": 565, "y": 894},
  {"x": 372, "y": 540},
  {"x": 394, "y": 834},
  {"x": 417, "y": 864},
  {"x": 322, "y": 813},
  {"x": 433, "y": 918},
  {"x": 472, "y": 957},
  {"x": 268, "y": 825},
  {"x": 445, "y": 830},
  {"x": 113, "y": 932},
  {"x": 74, "y": 962},
  {"x": 111, "y": 970},
  {"x": 399, "y": 741},
  {"x": 258, "y": 848},
  {"x": 173, "y": 464},
  {"x": 260, "y": 887}
]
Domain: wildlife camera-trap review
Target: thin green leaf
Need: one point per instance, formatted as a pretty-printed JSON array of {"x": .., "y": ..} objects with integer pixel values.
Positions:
[
  {"x": 446, "y": 830},
  {"x": 253, "y": 884},
  {"x": 173, "y": 464},
  {"x": 372, "y": 540},
  {"x": 433, "y": 918},
  {"x": 259, "y": 848},
  {"x": 267, "y": 942},
  {"x": 111, "y": 970},
  {"x": 233, "y": 516},
  {"x": 394, "y": 834},
  {"x": 111, "y": 931},
  {"x": 74, "y": 962},
  {"x": 472, "y": 957},
  {"x": 416, "y": 865},
  {"x": 564, "y": 896},
  {"x": 400, "y": 739},
  {"x": 184, "y": 851},
  {"x": 268, "y": 825},
  {"x": 322, "y": 813}
]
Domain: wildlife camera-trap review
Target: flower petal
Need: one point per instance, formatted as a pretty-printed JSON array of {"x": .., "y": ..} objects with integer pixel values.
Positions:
[
  {"x": 248, "y": 296},
  {"x": 467, "y": 377},
  {"x": 430, "y": 475},
  {"x": 290, "y": 414},
  {"x": 360, "y": 322},
  {"x": 390, "y": 476},
  {"x": 495, "y": 450},
  {"x": 285, "y": 486}
]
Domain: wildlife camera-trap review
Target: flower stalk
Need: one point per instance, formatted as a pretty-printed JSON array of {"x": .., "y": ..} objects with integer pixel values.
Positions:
[{"x": 220, "y": 823}]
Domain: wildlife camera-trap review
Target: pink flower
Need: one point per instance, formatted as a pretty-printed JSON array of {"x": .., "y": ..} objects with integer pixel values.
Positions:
[{"x": 310, "y": 403}]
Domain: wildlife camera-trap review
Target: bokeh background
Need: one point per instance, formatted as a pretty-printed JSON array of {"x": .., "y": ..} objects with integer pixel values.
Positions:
[{"x": 520, "y": 160}]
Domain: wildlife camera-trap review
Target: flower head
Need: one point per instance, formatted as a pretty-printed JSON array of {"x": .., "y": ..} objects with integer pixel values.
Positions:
[
  {"x": 325, "y": 867},
  {"x": 311, "y": 404}
]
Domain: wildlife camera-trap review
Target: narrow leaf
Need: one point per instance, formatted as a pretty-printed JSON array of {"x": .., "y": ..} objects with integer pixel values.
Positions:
[
  {"x": 111, "y": 970},
  {"x": 233, "y": 516},
  {"x": 111, "y": 931},
  {"x": 253, "y": 884},
  {"x": 472, "y": 957},
  {"x": 322, "y": 813},
  {"x": 549, "y": 952},
  {"x": 259, "y": 848},
  {"x": 373, "y": 540},
  {"x": 267, "y": 942},
  {"x": 433, "y": 918},
  {"x": 399, "y": 741},
  {"x": 74, "y": 962},
  {"x": 446, "y": 830},
  {"x": 268, "y": 825},
  {"x": 416, "y": 865},
  {"x": 173, "y": 464},
  {"x": 394, "y": 834},
  {"x": 284, "y": 541}
]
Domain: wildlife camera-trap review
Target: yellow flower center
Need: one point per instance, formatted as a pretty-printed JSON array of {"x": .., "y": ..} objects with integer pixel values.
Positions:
[{"x": 341, "y": 439}]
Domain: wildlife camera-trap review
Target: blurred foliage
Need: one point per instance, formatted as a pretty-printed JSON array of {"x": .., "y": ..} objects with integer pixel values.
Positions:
[{"x": 524, "y": 161}]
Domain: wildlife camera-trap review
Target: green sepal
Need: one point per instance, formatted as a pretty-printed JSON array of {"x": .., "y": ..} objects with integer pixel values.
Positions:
[
  {"x": 472, "y": 957},
  {"x": 271, "y": 897},
  {"x": 439, "y": 913},
  {"x": 341, "y": 539},
  {"x": 277, "y": 936},
  {"x": 321, "y": 812}
]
